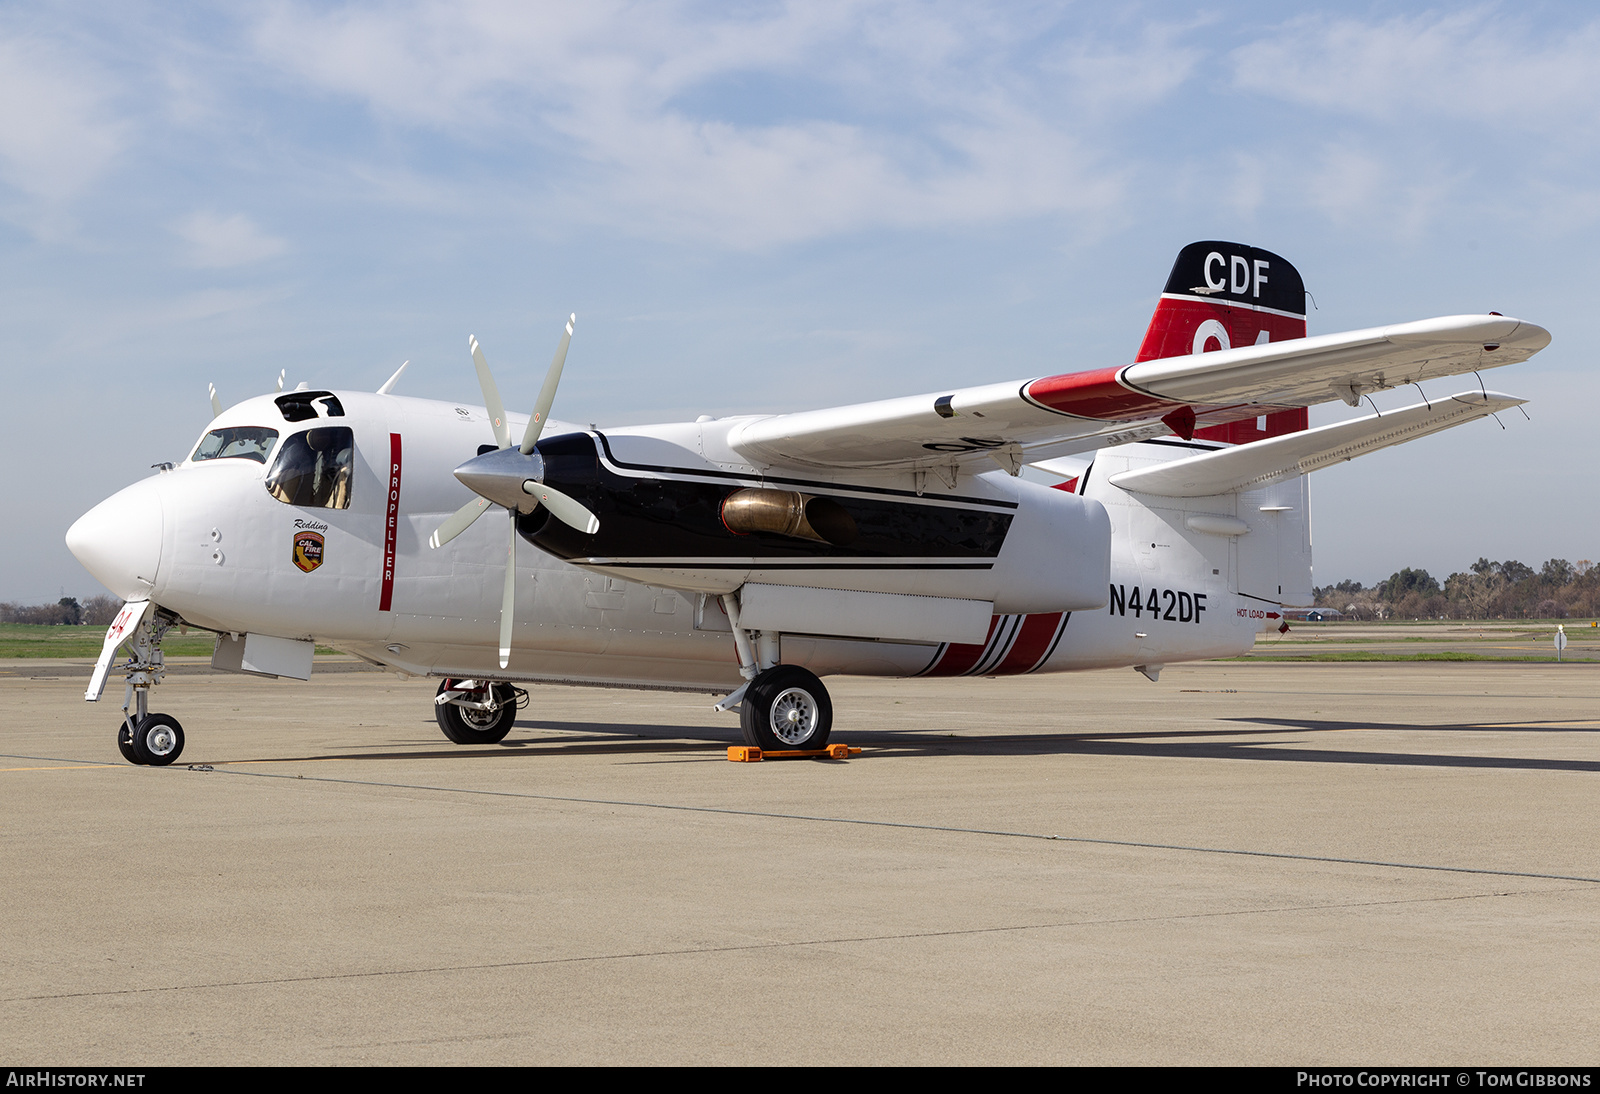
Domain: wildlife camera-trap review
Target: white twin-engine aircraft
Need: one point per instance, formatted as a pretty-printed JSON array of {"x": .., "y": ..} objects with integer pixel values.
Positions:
[{"x": 752, "y": 555}]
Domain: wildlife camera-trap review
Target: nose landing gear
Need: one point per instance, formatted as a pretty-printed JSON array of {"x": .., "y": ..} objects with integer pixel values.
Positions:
[{"x": 153, "y": 740}]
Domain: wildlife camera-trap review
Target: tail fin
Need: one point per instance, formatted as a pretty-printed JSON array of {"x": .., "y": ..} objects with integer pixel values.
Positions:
[{"x": 1221, "y": 295}]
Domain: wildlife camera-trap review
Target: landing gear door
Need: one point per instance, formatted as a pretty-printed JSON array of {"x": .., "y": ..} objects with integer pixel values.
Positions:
[{"x": 128, "y": 621}]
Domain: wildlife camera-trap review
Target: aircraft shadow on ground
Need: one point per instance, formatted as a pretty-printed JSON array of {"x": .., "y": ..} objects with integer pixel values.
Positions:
[{"x": 687, "y": 743}]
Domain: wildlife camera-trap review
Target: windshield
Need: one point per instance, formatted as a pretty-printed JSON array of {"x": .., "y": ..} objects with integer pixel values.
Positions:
[
  {"x": 313, "y": 468},
  {"x": 243, "y": 442}
]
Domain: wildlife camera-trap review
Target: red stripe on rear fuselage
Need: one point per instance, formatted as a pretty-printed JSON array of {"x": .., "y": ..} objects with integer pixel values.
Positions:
[
  {"x": 1033, "y": 642},
  {"x": 961, "y": 656}
]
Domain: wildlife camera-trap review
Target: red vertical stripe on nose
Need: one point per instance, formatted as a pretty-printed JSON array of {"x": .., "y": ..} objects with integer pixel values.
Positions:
[{"x": 391, "y": 523}]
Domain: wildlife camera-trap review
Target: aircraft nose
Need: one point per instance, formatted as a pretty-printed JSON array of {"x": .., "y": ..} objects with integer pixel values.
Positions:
[{"x": 119, "y": 540}]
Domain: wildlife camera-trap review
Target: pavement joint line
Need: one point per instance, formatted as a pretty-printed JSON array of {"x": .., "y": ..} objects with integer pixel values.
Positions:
[
  {"x": 909, "y": 825},
  {"x": 919, "y": 827},
  {"x": 748, "y": 947}
]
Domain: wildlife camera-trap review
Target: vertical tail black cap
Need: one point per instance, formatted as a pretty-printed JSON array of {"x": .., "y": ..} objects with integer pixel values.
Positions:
[{"x": 1237, "y": 273}]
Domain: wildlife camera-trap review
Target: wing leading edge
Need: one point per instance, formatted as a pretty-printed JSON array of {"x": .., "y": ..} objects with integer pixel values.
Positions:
[{"x": 1029, "y": 420}]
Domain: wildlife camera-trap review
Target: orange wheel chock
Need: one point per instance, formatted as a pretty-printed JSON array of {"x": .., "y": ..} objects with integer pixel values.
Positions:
[{"x": 749, "y": 754}]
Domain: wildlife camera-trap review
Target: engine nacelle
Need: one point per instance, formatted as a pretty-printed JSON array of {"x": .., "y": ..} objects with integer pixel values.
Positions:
[{"x": 669, "y": 517}]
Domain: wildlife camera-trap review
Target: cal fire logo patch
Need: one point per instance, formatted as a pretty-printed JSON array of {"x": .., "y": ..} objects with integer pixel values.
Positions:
[{"x": 308, "y": 550}]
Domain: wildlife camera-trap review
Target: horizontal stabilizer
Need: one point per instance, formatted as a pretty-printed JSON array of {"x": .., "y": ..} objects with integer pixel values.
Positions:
[{"x": 1261, "y": 463}]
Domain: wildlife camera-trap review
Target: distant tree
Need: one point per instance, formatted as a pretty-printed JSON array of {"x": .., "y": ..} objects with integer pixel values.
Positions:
[
  {"x": 1514, "y": 571},
  {"x": 1557, "y": 572},
  {"x": 71, "y": 611},
  {"x": 1408, "y": 581},
  {"x": 101, "y": 610}
]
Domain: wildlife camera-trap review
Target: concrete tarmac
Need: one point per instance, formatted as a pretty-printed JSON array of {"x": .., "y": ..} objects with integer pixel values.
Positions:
[{"x": 1247, "y": 863}]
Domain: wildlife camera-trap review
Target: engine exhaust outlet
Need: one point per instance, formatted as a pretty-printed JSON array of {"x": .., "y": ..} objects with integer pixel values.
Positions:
[{"x": 788, "y": 513}]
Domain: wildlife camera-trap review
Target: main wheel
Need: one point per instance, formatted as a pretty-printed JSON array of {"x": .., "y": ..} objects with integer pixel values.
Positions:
[
  {"x": 785, "y": 708},
  {"x": 125, "y": 744},
  {"x": 466, "y": 726},
  {"x": 157, "y": 740}
]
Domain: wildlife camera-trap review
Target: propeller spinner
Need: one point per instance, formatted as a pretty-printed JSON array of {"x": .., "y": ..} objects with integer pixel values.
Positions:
[{"x": 513, "y": 477}]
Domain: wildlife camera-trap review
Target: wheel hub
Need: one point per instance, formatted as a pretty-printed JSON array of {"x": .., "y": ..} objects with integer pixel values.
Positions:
[
  {"x": 794, "y": 716},
  {"x": 161, "y": 741},
  {"x": 479, "y": 719}
]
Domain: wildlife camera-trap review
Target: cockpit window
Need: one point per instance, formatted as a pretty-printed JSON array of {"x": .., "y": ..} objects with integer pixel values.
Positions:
[
  {"x": 313, "y": 468},
  {"x": 243, "y": 442}
]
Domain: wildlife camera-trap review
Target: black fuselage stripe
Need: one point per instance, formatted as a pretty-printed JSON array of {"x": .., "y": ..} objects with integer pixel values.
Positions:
[
  {"x": 1061, "y": 629},
  {"x": 1004, "y": 636},
  {"x": 760, "y": 564},
  {"x": 937, "y": 654},
  {"x": 814, "y": 484}
]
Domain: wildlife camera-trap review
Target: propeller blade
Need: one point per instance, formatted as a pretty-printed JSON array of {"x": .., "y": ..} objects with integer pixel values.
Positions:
[
  {"x": 491, "y": 396},
  {"x": 547, "y": 394},
  {"x": 508, "y": 602},
  {"x": 282, "y": 372},
  {"x": 216, "y": 403},
  {"x": 563, "y": 508},
  {"x": 458, "y": 522}
]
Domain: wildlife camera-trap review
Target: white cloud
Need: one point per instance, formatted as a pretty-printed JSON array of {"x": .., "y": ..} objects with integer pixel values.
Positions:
[
  {"x": 57, "y": 133},
  {"x": 749, "y": 130},
  {"x": 1483, "y": 65},
  {"x": 216, "y": 241}
]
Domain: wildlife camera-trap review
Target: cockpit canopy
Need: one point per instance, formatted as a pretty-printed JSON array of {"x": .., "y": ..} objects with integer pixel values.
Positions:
[{"x": 241, "y": 442}]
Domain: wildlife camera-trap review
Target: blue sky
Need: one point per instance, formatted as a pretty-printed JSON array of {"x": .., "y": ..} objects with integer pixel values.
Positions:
[{"x": 763, "y": 207}]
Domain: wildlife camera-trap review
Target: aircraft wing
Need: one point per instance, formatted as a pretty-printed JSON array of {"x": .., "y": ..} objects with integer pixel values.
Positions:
[
  {"x": 1262, "y": 463},
  {"x": 1029, "y": 420}
]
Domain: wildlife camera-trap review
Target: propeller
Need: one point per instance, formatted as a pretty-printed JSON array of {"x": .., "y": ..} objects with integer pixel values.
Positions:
[{"x": 513, "y": 476}]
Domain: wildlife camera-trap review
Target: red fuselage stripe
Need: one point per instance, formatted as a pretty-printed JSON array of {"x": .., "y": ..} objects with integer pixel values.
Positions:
[
  {"x": 959, "y": 657},
  {"x": 1033, "y": 640},
  {"x": 391, "y": 523}
]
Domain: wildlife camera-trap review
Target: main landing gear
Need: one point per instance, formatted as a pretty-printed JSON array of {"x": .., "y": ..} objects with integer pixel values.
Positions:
[
  {"x": 786, "y": 707},
  {"x": 477, "y": 712},
  {"x": 781, "y": 707},
  {"x": 154, "y": 740}
]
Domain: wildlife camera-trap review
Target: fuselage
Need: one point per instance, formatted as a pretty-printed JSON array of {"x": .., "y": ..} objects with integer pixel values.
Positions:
[{"x": 320, "y": 531}]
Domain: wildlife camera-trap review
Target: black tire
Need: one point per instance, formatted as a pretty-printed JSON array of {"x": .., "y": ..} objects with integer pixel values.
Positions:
[
  {"x": 786, "y": 708},
  {"x": 477, "y": 727},
  {"x": 125, "y": 744},
  {"x": 157, "y": 740}
]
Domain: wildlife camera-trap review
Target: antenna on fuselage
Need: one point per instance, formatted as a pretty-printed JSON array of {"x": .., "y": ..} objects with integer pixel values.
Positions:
[{"x": 388, "y": 385}]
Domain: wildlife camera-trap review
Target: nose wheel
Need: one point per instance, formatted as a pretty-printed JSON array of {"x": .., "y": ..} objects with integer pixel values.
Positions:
[
  {"x": 153, "y": 740},
  {"x": 786, "y": 707}
]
